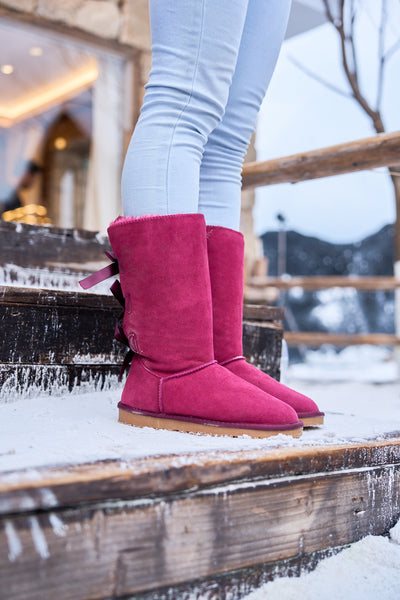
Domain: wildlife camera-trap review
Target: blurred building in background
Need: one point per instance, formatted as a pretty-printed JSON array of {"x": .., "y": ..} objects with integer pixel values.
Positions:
[
  {"x": 71, "y": 80},
  {"x": 71, "y": 77}
]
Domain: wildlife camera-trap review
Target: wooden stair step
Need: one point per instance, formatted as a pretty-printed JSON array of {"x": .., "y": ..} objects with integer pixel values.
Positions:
[
  {"x": 54, "y": 338},
  {"x": 169, "y": 526}
]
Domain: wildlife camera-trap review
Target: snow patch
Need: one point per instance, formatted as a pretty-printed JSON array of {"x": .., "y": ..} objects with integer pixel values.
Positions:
[
  {"x": 51, "y": 380},
  {"x": 58, "y": 526},
  {"x": 80, "y": 428},
  {"x": 367, "y": 570},
  {"x": 366, "y": 363},
  {"x": 38, "y": 538},
  {"x": 48, "y": 497},
  {"x": 14, "y": 543},
  {"x": 44, "y": 278},
  {"x": 296, "y": 293},
  {"x": 95, "y": 359},
  {"x": 394, "y": 534}
]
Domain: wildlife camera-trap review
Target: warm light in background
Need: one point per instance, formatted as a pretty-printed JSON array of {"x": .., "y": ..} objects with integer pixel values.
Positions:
[
  {"x": 7, "y": 69},
  {"x": 35, "y": 51},
  {"x": 60, "y": 143},
  {"x": 33, "y": 214},
  {"x": 41, "y": 100}
]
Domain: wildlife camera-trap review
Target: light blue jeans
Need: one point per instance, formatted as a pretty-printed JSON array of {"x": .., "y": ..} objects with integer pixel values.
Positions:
[{"x": 212, "y": 61}]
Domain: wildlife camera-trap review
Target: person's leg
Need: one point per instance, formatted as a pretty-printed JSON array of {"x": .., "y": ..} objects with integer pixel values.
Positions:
[
  {"x": 195, "y": 44},
  {"x": 220, "y": 186},
  {"x": 220, "y": 171}
]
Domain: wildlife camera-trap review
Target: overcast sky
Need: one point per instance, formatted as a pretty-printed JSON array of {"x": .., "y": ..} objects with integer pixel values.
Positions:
[{"x": 300, "y": 114}]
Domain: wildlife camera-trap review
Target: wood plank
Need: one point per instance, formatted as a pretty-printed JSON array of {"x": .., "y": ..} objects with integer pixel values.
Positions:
[
  {"x": 238, "y": 584},
  {"x": 260, "y": 312},
  {"x": 262, "y": 345},
  {"x": 129, "y": 546},
  {"x": 365, "y": 283},
  {"x": 52, "y": 332},
  {"x": 11, "y": 296},
  {"x": 22, "y": 295},
  {"x": 50, "y": 247},
  {"x": 58, "y": 339},
  {"x": 315, "y": 338},
  {"x": 168, "y": 475},
  {"x": 380, "y": 150}
]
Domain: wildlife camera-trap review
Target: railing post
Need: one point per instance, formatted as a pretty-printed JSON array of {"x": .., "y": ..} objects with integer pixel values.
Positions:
[{"x": 396, "y": 351}]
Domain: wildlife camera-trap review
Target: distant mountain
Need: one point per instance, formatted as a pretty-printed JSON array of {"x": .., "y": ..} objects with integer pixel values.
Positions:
[
  {"x": 312, "y": 256},
  {"x": 338, "y": 310}
]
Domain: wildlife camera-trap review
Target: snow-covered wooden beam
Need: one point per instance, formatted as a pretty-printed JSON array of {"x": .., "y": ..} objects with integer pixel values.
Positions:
[
  {"x": 53, "y": 340},
  {"x": 316, "y": 339},
  {"x": 364, "y": 283},
  {"x": 111, "y": 530},
  {"x": 381, "y": 150}
]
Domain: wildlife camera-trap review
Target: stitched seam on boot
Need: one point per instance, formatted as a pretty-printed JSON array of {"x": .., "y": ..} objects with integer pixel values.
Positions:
[
  {"x": 189, "y": 371},
  {"x": 160, "y": 399},
  {"x": 146, "y": 368},
  {"x": 175, "y": 376},
  {"x": 140, "y": 360},
  {"x": 226, "y": 362},
  {"x": 133, "y": 343}
]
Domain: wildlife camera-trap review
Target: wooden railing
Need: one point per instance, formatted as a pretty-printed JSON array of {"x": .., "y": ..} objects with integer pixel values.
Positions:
[
  {"x": 312, "y": 338},
  {"x": 381, "y": 150},
  {"x": 316, "y": 338},
  {"x": 320, "y": 283}
]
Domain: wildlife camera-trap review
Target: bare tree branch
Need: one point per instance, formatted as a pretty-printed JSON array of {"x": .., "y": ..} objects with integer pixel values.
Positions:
[
  {"x": 318, "y": 78},
  {"x": 352, "y": 76},
  {"x": 381, "y": 50},
  {"x": 328, "y": 12},
  {"x": 392, "y": 49},
  {"x": 352, "y": 36}
]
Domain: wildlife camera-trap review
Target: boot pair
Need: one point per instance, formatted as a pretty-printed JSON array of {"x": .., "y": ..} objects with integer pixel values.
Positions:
[{"x": 182, "y": 284}]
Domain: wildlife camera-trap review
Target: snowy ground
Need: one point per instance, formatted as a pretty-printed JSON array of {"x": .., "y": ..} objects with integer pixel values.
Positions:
[
  {"x": 368, "y": 570},
  {"x": 78, "y": 428},
  {"x": 367, "y": 364}
]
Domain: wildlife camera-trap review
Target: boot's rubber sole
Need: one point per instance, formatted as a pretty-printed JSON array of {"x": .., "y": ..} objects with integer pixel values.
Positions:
[
  {"x": 130, "y": 418},
  {"x": 312, "y": 421}
]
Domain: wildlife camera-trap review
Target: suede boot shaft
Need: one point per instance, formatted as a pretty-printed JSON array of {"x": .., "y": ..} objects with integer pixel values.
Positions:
[
  {"x": 165, "y": 282},
  {"x": 226, "y": 263}
]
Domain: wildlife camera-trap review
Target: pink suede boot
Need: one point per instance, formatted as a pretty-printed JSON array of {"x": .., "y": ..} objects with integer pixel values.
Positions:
[
  {"x": 226, "y": 260},
  {"x": 174, "y": 381}
]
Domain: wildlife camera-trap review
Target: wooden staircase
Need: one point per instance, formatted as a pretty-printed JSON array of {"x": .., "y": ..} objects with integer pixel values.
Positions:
[
  {"x": 56, "y": 340},
  {"x": 209, "y": 525}
]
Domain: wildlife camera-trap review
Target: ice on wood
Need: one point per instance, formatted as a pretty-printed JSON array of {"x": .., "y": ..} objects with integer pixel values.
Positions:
[
  {"x": 14, "y": 543},
  {"x": 38, "y": 538}
]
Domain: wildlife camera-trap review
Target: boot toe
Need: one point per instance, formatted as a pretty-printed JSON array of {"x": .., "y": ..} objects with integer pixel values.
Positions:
[
  {"x": 219, "y": 395},
  {"x": 303, "y": 405}
]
